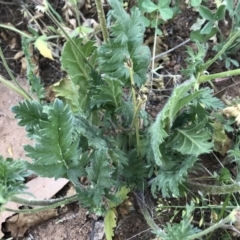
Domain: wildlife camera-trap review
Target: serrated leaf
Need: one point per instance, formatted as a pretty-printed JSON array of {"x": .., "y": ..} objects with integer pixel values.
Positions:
[
  {"x": 92, "y": 133},
  {"x": 193, "y": 140},
  {"x": 12, "y": 174},
  {"x": 126, "y": 43},
  {"x": 30, "y": 114},
  {"x": 34, "y": 81},
  {"x": 109, "y": 94},
  {"x": 209, "y": 101},
  {"x": 43, "y": 48},
  {"x": 110, "y": 223},
  {"x": 100, "y": 174},
  {"x": 168, "y": 180},
  {"x": 159, "y": 130},
  {"x": 68, "y": 92},
  {"x": 56, "y": 144}
]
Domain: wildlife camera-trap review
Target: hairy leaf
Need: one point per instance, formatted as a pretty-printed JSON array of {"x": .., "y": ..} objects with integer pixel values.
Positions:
[
  {"x": 159, "y": 131},
  {"x": 31, "y": 114},
  {"x": 208, "y": 100},
  {"x": 110, "y": 223},
  {"x": 100, "y": 174},
  {"x": 126, "y": 43},
  {"x": 78, "y": 70},
  {"x": 192, "y": 140},
  {"x": 12, "y": 174},
  {"x": 168, "y": 180},
  {"x": 56, "y": 144},
  {"x": 109, "y": 94},
  {"x": 33, "y": 79},
  {"x": 92, "y": 133},
  {"x": 182, "y": 230}
]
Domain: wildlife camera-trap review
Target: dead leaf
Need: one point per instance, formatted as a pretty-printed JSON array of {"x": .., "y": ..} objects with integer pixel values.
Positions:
[
  {"x": 18, "y": 55},
  {"x": 20, "y": 223},
  {"x": 233, "y": 111},
  {"x": 43, "y": 48}
]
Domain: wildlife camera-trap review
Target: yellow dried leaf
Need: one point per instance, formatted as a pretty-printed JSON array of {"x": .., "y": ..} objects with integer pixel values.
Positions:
[
  {"x": 231, "y": 111},
  {"x": 42, "y": 46},
  {"x": 110, "y": 223}
]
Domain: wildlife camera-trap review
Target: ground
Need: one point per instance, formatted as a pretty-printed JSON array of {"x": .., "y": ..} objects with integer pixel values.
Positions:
[{"x": 72, "y": 221}]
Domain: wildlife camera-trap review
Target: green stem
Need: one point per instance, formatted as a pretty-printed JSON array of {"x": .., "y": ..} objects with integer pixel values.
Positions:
[
  {"x": 64, "y": 202},
  {"x": 14, "y": 88},
  {"x": 213, "y": 189},
  {"x": 33, "y": 202},
  {"x": 17, "y": 88},
  {"x": 16, "y": 30},
  {"x": 205, "y": 78},
  {"x": 232, "y": 217},
  {"x": 225, "y": 47},
  {"x": 135, "y": 107},
  {"x": 102, "y": 20}
]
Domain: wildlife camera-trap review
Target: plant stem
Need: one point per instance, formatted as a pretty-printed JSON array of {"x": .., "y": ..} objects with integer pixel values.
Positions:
[
  {"x": 135, "y": 107},
  {"x": 225, "y": 47},
  {"x": 16, "y": 30},
  {"x": 233, "y": 216},
  {"x": 102, "y": 20},
  {"x": 17, "y": 88},
  {"x": 205, "y": 78},
  {"x": 33, "y": 202},
  {"x": 64, "y": 202},
  {"x": 14, "y": 88},
  {"x": 213, "y": 189}
]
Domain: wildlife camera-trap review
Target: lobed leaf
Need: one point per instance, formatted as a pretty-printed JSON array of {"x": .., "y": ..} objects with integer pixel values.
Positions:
[
  {"x": 159, "y": 130},
  {"x": 56, "y": 144},
  {"x": 193, "y": 140}
]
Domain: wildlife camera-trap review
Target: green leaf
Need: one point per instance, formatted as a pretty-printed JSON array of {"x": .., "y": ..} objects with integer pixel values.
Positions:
[
  {"x": 168, "y": 180},
  {"x": 92, "y": 133},
  {"x": 193, "y": 140},
  {"x": 74, "y": 63},
  {"x": 78, "y": 70},
  {"x": 68, "y": 92},
  {"x": 30, "y": 114},
  {"x": 125, "y": 44},
  {"x": 109, "y": 94},
  {"x": 182, "y": 230},
  {"x": 166, "y": 13},
  {"x": 56, "y": 144},
  {"x": 206, "y": 13},
  {"x": 207, "y": 28},
  {"x": 207, "y": 100},
  {"x": 159, "y": 131},
  {"x": 12, "y": 174},
  {"x": 220, "y": 13},
  {"x": 110, "y": 223},
  {"x": 149, "y": 6},
  {"x": 195, "y": 3},
  {"x": 34, "y": 81},
  {"x": 197, "y": 35},
  {"x": 198, "y": 24},
  {"x": 100, "y": 174}
]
